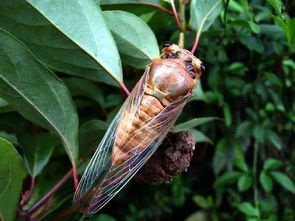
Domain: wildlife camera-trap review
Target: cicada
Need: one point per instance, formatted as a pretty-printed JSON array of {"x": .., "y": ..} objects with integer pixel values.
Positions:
[{"x": 140, "y": 126}]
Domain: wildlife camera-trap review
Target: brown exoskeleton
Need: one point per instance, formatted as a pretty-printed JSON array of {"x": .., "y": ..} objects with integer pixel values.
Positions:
[{"x": 140, "y": 126}]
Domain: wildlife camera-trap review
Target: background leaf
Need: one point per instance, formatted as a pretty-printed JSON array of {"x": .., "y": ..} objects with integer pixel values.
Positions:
[
  {"x": 84, "y": 24},
  {"x": 37, "y": 150},
  {"x": 248, "y": 209},
  {"x": 193, "y": 123},
  {"x": 12, "y": 173},
  {"x": 276, "y": 4},
  {"x": 136, "y": 42},
  {"x": 203, "y": 13},
  {"x": 265, "y": 181},
  {"x": 49, "y": 44},
  {"x": 36, "y": 93},
  {"x": 284, "y": 180}
]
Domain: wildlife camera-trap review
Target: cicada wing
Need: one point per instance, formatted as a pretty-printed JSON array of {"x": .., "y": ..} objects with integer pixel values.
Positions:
[
  {"x": 118, "y": 176},
  {"x": 100, "y": 163}
]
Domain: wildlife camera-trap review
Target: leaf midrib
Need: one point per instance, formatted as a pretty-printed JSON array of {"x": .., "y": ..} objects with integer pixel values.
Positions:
[
  {"x": 87, "y": 51},
  {"x": 205, "y": 18}
]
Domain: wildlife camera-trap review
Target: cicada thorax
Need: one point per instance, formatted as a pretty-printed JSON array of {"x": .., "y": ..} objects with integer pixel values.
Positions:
[{"x": 168, "y": 80}]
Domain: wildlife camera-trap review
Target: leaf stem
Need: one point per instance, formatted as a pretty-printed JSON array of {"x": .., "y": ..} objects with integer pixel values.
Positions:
[
  {"x": 28, "y": 194},
  {"x": 75, "y": 176},
  {"x": 196, "y": 42},
  {"x": 163, "y": 9},
  {"x": 255, "y": 190},
  {"x": 176, "y": 16},
  {"x": 124, "y": 88},
  {"x": 55, "y": 188},
  {"x": 182, "y": 4}
]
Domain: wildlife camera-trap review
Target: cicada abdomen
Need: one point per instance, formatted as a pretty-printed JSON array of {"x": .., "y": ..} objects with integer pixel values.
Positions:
[{"x": 140, "y": 126}]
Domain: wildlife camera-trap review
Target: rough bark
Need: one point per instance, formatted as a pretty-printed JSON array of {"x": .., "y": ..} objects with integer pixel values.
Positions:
[{"x": 172, "y": 157}]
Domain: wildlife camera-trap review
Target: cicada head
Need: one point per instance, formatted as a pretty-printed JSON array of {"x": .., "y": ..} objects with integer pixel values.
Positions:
[
  {"x": 192, "y": 64},
  {"x": 175, "y": 74}
]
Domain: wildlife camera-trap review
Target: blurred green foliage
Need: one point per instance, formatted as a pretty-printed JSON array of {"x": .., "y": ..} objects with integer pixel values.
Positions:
[{"x": 56, "y": 69}]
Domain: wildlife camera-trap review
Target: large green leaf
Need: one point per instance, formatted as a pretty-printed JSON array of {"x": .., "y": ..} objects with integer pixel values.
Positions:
[
  {"x": 203, "y": 13},
  {"x": 12, "y": 172},
  {"x": 5, "y": 106},
  {"x": 135, "y": 40},
  {"x": 37, "y": 150},
  {"x": 37, "y": 93},
  {"x": 85, "y": 88},
  {"x": 83, "y": 23},
  {"x": 49, "y": 44}
]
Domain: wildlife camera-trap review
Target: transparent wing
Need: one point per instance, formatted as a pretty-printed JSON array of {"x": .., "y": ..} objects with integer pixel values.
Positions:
[
  {"x": 118, "y": 176},
  {"x": 101, "y": 181},
  {"x": 100, "y": 163}
]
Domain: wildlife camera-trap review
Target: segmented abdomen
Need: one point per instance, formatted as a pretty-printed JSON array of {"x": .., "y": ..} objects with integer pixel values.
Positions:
[{"x": 131, "y": 131}]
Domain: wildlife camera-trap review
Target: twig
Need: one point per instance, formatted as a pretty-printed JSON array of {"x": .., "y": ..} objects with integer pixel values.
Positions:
[
  {"x": 175, "y": 13},
  {"x": 163, "y": 9},
  {"x": 196, "y": 42},
  {"x": 255, "y": 192},
  {"x": 75, "y": 176},
  {"x": 182, "y": 4},
  {"x": 124, "y": 88},
  {"x": 28, "y": 194},
  {"x": 51, "y": 192}
]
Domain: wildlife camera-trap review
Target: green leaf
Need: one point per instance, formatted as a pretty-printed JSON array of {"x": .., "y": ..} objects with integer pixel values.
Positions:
[
  {"x": 277, "y": 5},
  {"x": 85, "y": 88},
  {"x": 36, "y": 93},
  {"x": 193, "y": 123},
  {"x": 9, "y": 137},
  {"x": 83, "y": 23},
  {"x": 241, "y": 164},
  {"x": 203, "y": 13},
  {"x": 220, "y": 158},
  {"x": 228, "y": 178},
  {"x": 265, "y": 181},
  {"x": 12, "y": 173},
  {"x": 128, "y": 31},
  {"x": 247, "y": 24},
  {"x": 271, "y": 164},
  {"x": 248, "y": 209},
  {"x": 103, "y": 217},
  {"x": 274, "y": 139},
  {"x": 37, "y": 150},
  {"x": 198, "y": 93},
  {"x": 5, "y": 106},
  {"x": 284, "y": 181},
  {"x": 49, "y": 44},
  {"x": 201, "y": 202},
  {"x": 200, "y": 137},
  {"x": 244, "y": 182},
  {"x": 227, "y": 115},
  {"x": 273, "y": 79},
  {"x": 90, "y": 135}
]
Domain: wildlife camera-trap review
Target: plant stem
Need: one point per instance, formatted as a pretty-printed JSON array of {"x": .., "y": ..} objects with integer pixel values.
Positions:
[
  {"x": 124, "y": 88},
  {"x": 255, "y": 191},
  {"x": 181, "y": 41},
  {"x": 163, "y": 9},
  {"x": 196, "y": 42},
  {"x": 48, "y": 195},
  {"x": 175, "y": 15},
  {"x": 28, "y": 194}
]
